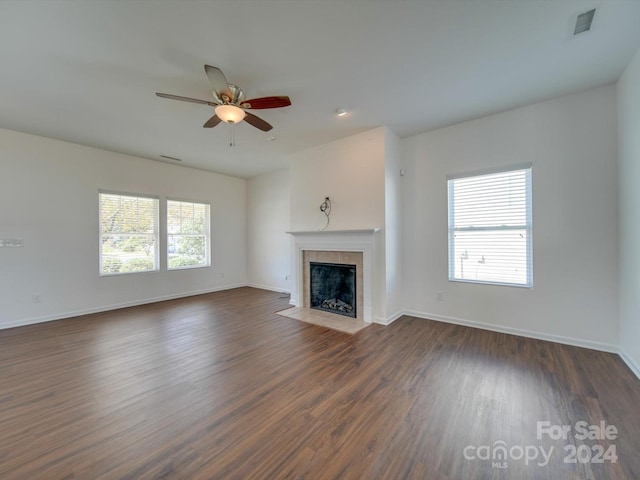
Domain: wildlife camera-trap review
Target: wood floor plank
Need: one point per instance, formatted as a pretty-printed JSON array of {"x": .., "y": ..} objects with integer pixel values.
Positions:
[{"x": 219, "y": 386}]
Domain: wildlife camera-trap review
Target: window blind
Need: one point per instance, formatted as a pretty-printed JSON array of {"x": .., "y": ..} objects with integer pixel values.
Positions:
[
  {"x": 490, "y": 227},
  {"x": 188, "y": 234},
  {"x": 128, "y": 233}
]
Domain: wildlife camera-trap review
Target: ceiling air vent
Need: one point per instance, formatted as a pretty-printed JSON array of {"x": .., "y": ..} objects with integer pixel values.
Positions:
[
  {"x": 171, "y": 158},
  {"x": 583, "y": 22}
]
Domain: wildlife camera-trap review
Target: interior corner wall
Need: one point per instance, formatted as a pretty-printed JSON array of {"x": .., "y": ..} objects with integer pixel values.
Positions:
[
  {"x": 572, "y": 144},
  {"x": 268, "y": 244},
  {"x": 393, "y": 227},
  {"x": 629, "y": 154},
  {"x": 49, "y": 194}
]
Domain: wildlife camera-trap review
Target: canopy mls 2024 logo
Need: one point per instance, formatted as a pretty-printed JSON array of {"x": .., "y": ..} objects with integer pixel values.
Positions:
[{"x": 499, "y": 453}]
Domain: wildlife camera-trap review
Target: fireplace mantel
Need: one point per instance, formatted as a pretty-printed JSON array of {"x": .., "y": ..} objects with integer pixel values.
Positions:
[
  {"x": 360, "y": 240},
  {"x": 325, "y": 232}
]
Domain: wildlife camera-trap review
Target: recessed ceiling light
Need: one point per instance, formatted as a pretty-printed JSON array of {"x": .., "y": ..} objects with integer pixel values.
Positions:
[
  {"x": 272, "y": 138},
  {"x": 341, "y": 112}
]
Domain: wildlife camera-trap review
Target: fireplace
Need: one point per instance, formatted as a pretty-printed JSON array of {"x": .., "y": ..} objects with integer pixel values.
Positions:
[
  {"x": 338, "y": 247},
  {"x": 332, "y": 288},
  {"x": 334, "y": 274}
]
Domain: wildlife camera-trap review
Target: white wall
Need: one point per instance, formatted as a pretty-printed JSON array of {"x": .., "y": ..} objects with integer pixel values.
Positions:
[
  {"x": 629, "y": 154},
  {"x": 571, "y": 142},
  {"x": 351, "y": 172},
  {"x": 268, "y": 246},
  {"x": 49, "y": 197}
]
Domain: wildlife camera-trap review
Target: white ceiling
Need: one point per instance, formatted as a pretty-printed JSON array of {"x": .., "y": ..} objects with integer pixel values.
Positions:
[{"x": 87, "y": 72}]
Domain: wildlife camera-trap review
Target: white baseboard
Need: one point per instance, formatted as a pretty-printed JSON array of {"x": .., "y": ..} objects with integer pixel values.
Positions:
[
  {"x": 389, "y": 320},
  {"x": 267, "y": 287},
  {"x": 576, "y": 342},
  {"x": 106, "y": 308},
  {"x": 635, "y": 368}
]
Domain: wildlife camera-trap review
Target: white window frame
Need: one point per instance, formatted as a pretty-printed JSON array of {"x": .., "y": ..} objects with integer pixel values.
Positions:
[
  {"x": 528, "y": 227},
  {"x": 155, "y": 234},
  {"x": 207, "y": 234}
]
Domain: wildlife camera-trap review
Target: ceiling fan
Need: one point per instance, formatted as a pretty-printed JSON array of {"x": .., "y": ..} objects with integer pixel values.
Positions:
[{"x": 230, "y": 104}]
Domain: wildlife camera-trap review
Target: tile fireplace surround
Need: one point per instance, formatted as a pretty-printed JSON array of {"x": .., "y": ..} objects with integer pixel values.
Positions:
[
  {"x": 340, "y": 258},
  {"x": 354, "y": 247}
]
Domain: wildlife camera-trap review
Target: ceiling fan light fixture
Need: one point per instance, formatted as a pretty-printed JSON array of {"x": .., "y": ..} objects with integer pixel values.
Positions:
[{"x": 230, "y": 113}]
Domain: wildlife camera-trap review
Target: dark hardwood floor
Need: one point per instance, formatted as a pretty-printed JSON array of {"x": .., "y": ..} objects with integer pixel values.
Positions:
[{"x": 219, "y": 387}]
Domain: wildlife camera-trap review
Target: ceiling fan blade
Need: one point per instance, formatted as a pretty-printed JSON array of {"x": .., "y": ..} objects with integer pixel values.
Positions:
[
  {"x": 218, "y": 81},
  {"x": 257, "y": 122},
  {"x": 186, "y": 99},
  {"x": 212, "y": 122},
  {"x": 267, "y": 102}
]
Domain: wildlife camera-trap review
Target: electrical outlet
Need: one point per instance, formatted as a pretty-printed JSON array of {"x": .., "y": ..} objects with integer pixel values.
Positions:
[
  {"x": 221, "y": 274},
  {"x": 286, "y": 277},
  {"x": 36, "y": 298},
  {"x": 440, "y": 296}
]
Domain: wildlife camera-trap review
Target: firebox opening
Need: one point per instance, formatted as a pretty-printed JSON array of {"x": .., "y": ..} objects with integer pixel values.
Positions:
[{"x": 333, "y": 288}]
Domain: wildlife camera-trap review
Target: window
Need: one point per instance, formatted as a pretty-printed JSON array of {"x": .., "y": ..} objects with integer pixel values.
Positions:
[
  {"x": 490, "y": 227},
  {"x": 187, "y": 235},
  {"x": 128, "y": 234}
]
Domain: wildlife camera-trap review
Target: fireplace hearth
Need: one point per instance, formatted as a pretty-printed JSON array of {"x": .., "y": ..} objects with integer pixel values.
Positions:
[{"x": 333, "y": 288}]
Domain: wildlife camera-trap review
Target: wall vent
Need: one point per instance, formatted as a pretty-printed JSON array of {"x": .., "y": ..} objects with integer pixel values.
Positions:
[{"x": 583, "y": 22}]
